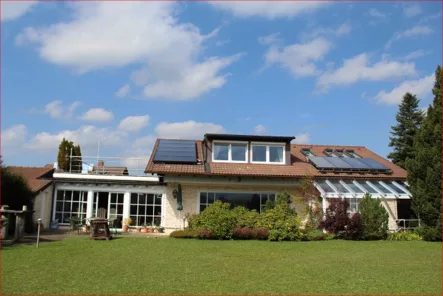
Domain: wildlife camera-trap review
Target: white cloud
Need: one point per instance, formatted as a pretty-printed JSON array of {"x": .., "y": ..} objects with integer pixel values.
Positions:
[
  {"x": 137, "y": 156},
  {"x": 359, "y": 68},
  {"x": 304, "y": 138},
  {"x": 268, "y": 9},
  {"x": 97, "y": 115},
  {"x": 269, "y": 39},
  {"x": 117, "y": 34},
  {"x": 187, "y": 129},
  {"x": 342, "y": 30},
  {"x": 260, "y": 130},
  {"x": 421, "y": 87},
  {"x": 415, "y": 54},
  {"x": 412, "y": 10},
  {"x": 123, "y": 91},
  {"x": 133, "y": 123},
  {"x": 56, "y": 109},
  {"x": 87, "y": 136},
  {"x": 299, "y": 58},
  {"x": 374, "y": 12},
  {"x": 15, "y": 136},
  {"x": 222, "y": 42},
  {"x": 11, "y": 10},
  {"x": 415, "y": 31}
]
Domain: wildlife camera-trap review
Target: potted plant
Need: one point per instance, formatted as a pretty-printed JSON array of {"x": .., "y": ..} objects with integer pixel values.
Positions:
[
  {"x": 138, "y": 228},
  {"x": 144, "y": 228},
  {"x": 126, "y": 223}
]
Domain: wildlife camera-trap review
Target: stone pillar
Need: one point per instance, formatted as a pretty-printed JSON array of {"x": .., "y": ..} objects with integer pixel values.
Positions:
[
  {"x": 90, "y": 205},
  {"x": 126, "y": 205}
]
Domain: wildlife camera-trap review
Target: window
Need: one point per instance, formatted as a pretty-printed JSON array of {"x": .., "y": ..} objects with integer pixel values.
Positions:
[
  {"x": 116, "y": 206},
  {"x": 249, "y": 200},
  {"x": 329, "y": 153},
  {"x": 340, "y": 188},
  {"x": 353, "y": 187},
  {"x": 395, "y": 188},
  {"x": 381, "y": 187},
  {"x": 353, "y": 205},
  {"x": 307, "y": 152},
  {"x": 367, "y": 187},
  {"x": 70, "y": 204},
  {"x": 232, "y": 152},
  {"x": 352, "y": 154},
  {"x": 268, "y": 153},
  {"x": 325, "y": 186},
  {"x": 338, "y": 153},
  {"x": 146, "y": 209}
]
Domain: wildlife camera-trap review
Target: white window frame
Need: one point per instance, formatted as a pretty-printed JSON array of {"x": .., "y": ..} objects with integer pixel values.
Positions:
[
  {"x": 230, "y": 151},
  {"x": 268, "y": 145},
  {"x": 83, "y": 198},
  {"x": 146, "y": 204}
]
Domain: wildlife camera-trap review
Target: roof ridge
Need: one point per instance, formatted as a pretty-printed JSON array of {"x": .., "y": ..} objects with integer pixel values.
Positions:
[{"x": 325, "y": 145}]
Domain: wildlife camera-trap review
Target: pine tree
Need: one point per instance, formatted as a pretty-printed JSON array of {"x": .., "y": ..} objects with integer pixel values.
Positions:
[
  {"x": 409, "y": 118},
  {"x": 424, "y": 171},
  {"x": 77, "y": 160},
  {"x": 63, "y": 159},
  {"x": 374, "y": 218}
]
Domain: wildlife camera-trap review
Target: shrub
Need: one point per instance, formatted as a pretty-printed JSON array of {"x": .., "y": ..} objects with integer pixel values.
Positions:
[
  {"x": 206, "y": 234},
  {"x": 339, "y": 222},
  {"x": 217, "y": 219},
  {"x": 244, "y": 217},
  {"x": 374, "y": 218},
  {"x": 186, "y": 233},
  {"x": 314, "y": 235},
  {"x": 404, "y": 236},
  {"x": 430, "y": 234},
  {"x": 250, "y": 233},
  {"x": 270, "y": 204}
]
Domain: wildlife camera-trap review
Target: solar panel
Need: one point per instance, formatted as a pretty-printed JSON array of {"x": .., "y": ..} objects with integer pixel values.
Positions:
[
  {"x": 355, "y": 163},
  {"x": 339, "y": 163},
  {"x": 373, "y": 164},
  {"x": 175, "y": 151},
  {"x": 321, "y": 162}
]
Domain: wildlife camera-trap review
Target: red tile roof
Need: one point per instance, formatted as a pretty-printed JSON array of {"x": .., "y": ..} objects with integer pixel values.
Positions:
[
  {"x": 33, "y": 176},
  {"x": 299, "y": 166}
]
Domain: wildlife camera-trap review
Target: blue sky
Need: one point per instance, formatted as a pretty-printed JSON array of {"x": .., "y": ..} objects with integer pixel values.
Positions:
[{"x": 127, "y": 73}]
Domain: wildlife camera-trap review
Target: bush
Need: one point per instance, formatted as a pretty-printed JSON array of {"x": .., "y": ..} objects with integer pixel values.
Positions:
[
  {"x": 250, "y": 233},
  {"x": 217, "y": 219},
  {"x": 338, "y": 221},
  {"x": 245, "y": 218},
  {"x": 430, "y": 234},
  {"x": 314, "y": 235},
  {"x": 206, "y": 234},
  {"x": 186, "y": 233},
  {"x": 374, "y": 218},
  {"x": 404, "y": 236}
]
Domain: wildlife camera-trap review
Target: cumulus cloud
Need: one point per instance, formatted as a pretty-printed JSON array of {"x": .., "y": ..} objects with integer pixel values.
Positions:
[
  {"x": 56, "y": 109},
  {"x": 187, "y": 129},
  {"x": 421, "y": 87},
  {"x": 97, "y": 115},
  {"x": 15, "y": 136},
  {"x": 260, "y": 130},
  {"x": 149, "y": 34},
  {"x": 299, "y": 58},
  {"x": 268, "y": 9},
  {"x": 11, "y": 10},
  {"x": 133, "y": 123},
  {"x": 359, "y": 68},
  {"x": 304, "y": 138}
]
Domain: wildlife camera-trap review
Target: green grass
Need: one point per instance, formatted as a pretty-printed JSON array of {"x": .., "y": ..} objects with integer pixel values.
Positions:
[{"x": 172, "y": 266}]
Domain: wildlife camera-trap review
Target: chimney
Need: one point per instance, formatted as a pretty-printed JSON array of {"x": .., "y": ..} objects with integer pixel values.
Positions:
[{"x": 100, "y": 163}]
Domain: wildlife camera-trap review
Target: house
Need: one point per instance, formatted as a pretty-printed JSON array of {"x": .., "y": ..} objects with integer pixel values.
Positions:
[
  {"x": 39, "y": 180},
  {"x": 247, "y": 170},
  {"x": 244, "y": 170}
]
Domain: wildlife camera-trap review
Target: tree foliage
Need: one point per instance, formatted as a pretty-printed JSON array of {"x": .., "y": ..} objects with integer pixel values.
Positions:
[
  {"x": 64, "y": 153},
  {"x": 409, "y": 118},
  {"x": 339, "y": 222},
  {"x": 424, "y": 170},
  {"x": 374, "y": 218},
  {"x": 308, "y": 203}
]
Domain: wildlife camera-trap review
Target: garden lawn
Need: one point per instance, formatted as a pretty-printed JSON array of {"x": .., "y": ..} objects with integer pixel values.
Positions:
[{"x": 188, "y": 266}]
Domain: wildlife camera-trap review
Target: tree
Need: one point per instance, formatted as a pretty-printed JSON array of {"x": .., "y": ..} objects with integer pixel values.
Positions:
[
  {"x": 63, "y": 159},
  {"x": 339, "y": 222},
  {"x": 409, "y": 118},
  {"x": 373, "y": 217},
  {"x": 424, "y": 171},
  {"x": 308, "y": 203}
]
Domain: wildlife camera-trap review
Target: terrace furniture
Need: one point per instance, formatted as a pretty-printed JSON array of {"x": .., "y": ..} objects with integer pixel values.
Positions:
[{"x": 100, "y": 229}]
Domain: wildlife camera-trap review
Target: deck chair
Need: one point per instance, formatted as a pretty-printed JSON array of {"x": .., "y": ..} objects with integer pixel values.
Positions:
[{"x": 101, "y": 213}]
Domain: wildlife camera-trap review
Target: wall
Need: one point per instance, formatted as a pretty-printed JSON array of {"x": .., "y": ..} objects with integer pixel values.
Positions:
[{"x": 42, "y": 206}]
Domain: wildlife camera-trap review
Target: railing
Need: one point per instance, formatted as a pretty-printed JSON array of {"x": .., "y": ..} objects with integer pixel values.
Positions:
[
  {"x": 407, "y": 224},
  {"x": 111, "y": 166}
]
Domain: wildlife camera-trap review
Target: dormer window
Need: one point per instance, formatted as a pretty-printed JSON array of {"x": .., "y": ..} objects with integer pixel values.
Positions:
[
  {"x": 329, "y": 153},
  {"x": 339, "y": 153},
  {"x": 230, "y": 151},
  {"x": 352, "y": 154},
  {"x": 268, "y": 153},
  {"x": 307, "y": 152}
]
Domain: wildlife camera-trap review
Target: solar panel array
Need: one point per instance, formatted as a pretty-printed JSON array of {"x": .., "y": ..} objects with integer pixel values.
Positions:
[
  {"x": 176, "y": 151},
  {"x": 339, "y": 164}
]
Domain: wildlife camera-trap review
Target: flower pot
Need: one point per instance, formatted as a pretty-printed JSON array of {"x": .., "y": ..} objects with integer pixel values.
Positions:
[
  {"x": 138, "y": 229},
  {"x": 144, "y": 230},
  {"x": 125, "y": 228},
  {"x": 151, "y": 230}
]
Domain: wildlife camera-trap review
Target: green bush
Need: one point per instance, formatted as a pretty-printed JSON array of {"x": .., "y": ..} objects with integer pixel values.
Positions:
[
  {"x": 186, "y": 233},
  {"x": 374, "y": 218},
  {"x": 218, "y": 219},
  {"x": 245, "y": 218},
  {"x": 314, "y": 235},
  {"x": 250, "y": 233},
  {"x": 430, "y": 234},
  {"x": 404, "y": 236}
]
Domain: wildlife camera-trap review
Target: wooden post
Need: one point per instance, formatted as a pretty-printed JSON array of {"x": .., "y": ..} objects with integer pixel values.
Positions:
[{"x": 39, "y": 222}]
